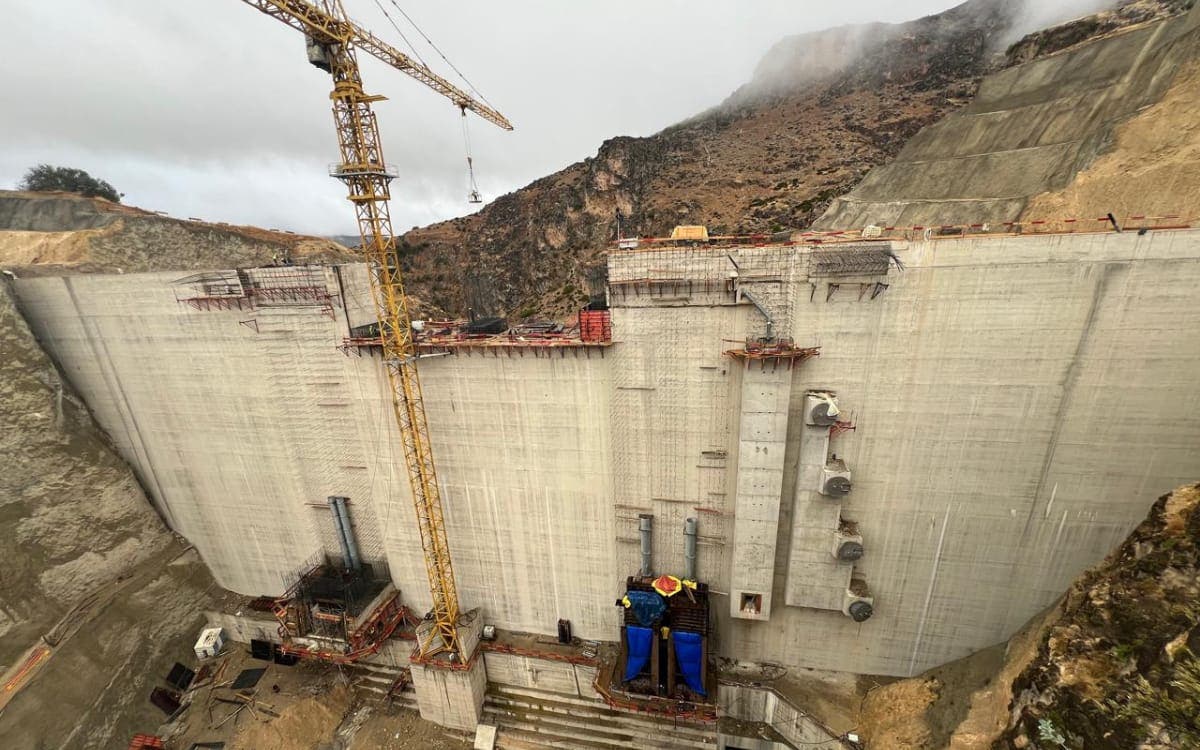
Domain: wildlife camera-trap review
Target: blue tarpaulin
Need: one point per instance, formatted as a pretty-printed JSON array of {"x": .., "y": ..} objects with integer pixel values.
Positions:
[
  {"x": 647, "y": 606},
  {"x": 688, "y": 655},
  {"x": 640, "y": 641}
]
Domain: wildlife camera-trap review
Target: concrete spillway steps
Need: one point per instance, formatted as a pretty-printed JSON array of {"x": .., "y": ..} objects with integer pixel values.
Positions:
[
  {"x": 530, "y": 719},
  {"x": 373, "y": 681}
]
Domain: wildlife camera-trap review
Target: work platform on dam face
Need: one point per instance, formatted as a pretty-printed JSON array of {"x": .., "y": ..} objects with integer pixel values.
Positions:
[
  {"x": 999, "y": 400},
  {"x": 590, "y": 333}
]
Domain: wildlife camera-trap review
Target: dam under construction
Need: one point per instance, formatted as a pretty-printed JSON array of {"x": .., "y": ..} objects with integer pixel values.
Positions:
[
  {"x": 859, "y": 432},
  {"x": 863, "y": 457}
]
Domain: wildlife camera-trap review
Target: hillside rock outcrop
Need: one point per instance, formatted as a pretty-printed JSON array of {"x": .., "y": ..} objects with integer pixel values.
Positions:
[
  {"x": 64, "y": 232},
  {"x": 821, "y": 110},
  {"x": 1120, "y": 668}
]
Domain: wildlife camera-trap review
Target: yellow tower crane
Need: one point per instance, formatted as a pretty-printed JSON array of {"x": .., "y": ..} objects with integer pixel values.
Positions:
[{"x": 332, "y": 43}]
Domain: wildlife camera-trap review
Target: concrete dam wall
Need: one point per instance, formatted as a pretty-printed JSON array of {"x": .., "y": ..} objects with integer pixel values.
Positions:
[{"x": 1008, "y": 396}]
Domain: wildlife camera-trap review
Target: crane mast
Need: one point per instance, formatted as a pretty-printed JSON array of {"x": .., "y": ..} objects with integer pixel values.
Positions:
[{"x": 332, "y": 46}]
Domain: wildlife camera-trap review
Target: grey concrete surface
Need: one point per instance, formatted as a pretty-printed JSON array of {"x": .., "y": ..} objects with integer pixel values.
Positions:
[
  {"x": 1018, "y": 403},
  {"x": 762, "y": 444}
]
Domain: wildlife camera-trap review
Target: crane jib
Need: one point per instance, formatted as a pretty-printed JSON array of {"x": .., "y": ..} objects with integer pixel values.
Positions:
[{"x": 328, "y": 29}]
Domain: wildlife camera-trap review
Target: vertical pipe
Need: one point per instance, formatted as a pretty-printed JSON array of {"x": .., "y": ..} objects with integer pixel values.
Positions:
[
  {"x": 348, "y": 531},
  {"x": 689, "y": 548},
  {"x": 646, "y": 526},
  {"x": 341, "y": 533}
]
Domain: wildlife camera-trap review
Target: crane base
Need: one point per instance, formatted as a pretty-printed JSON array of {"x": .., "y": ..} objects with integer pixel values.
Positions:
[{"x": 451, "y": 694}]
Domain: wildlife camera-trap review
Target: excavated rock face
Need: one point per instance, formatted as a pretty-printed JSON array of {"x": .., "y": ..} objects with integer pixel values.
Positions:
[
  {"x": 72, "y": 515},
  {"x": 63, "y": 232},
  {"x": 87, "y": 564},
  {"x": 1120, "y": 668},
  {"x": 1030, "y": 129}
]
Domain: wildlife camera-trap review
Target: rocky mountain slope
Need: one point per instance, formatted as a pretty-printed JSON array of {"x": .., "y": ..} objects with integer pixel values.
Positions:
[
  {"x": 821, "y": 110},
  {"x": 52, "y": 232},
  {"x": 1113, "y": 666}
]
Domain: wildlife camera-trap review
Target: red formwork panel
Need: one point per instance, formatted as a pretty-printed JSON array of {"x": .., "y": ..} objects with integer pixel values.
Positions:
[
  {"x": 595, "y": 326},
  {"x": 144, "y": 741}
]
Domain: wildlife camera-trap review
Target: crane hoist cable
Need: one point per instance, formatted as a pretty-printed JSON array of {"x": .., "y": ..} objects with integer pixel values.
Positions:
[
  {"x": 472, "y": 187},
  {"x": 411, "y": 47},
  {"x": 473, "y": 194},
  {"x": 441, "y": 54}
]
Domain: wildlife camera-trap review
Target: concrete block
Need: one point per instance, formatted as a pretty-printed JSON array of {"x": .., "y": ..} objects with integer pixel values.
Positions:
[
  {"x": 762, "y": 447},
  {"x": 585, "y": 681},
  {"x": 243, "y": 627},
  {"x": 485, "y": 737},
  {"x": 450, "y": 697},
  {"x": 765, "y": 706},
  {"x": 528, "y": 672}
]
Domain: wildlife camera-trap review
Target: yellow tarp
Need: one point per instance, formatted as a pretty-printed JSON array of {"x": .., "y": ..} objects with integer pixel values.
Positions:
[{"x": 690, "y": 232}]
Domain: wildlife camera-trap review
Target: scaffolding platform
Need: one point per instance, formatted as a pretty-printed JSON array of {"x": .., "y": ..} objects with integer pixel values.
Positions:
[
  {"x": 339, "y": 616},
  {"x": 257, "y": 288},
  {"x": 620, "y": 697},
  {"x": 591, "y": 333},
  {"x": 783, "y": 351}
]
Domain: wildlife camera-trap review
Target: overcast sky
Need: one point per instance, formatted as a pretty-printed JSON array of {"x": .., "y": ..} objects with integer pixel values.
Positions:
[{"x": 208, "y": 108}]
